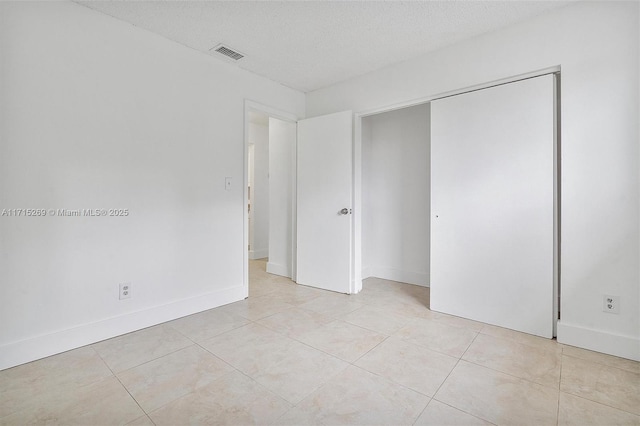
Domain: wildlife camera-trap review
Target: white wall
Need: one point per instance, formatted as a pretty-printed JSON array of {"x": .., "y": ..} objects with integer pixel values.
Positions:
[
  {"x": 97, "y": 113},
  {"x": 596, "y": 44},
  {"x": 395, "y": 195},
  {"x": 259, "y": 136},
  {"x": 282, "y": 149}
]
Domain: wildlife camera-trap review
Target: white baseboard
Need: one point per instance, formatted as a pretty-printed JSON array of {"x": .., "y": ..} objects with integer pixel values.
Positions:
[
  {"x": 258, "y": 254},
  {"x": 278, "y": 269},
  {"x": 54, "y": 343},
  {"x": 599, "y": 341},
  {"x": 393, "y": 274}
]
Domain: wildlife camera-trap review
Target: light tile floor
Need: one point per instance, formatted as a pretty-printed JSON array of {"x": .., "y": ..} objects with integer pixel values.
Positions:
[{"x": 293, "y": 355}]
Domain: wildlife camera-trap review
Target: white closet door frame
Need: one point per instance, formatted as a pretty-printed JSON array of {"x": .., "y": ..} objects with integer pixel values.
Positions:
[{"x": 357, "y": 177}]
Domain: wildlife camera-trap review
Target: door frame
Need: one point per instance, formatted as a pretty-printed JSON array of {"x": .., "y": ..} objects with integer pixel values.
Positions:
[
  {"x": 357, "y": 172},
  {"x": 249, "y": 106}
]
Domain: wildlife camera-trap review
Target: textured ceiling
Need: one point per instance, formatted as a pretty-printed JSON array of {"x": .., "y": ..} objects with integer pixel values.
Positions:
[{"x": 312, "y": 44}]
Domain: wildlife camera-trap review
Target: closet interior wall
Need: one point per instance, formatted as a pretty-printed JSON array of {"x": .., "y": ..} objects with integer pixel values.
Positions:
[{"x": 396, "y": 195}]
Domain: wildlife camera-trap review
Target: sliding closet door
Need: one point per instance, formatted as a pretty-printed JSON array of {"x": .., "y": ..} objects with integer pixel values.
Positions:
[{"x": 492, "y": 192}]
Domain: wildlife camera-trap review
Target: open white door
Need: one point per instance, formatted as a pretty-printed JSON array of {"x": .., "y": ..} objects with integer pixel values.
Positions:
[
  {"x": 492, "y": 201},
  {"x": 324, "y": 194}
]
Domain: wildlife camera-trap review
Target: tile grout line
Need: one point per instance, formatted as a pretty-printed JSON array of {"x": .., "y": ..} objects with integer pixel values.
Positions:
[
  {"x": 522, "y": 343},
  {"x": 454, "y": 367},
  {"x": 193, "y": 344},
  {"x": 124, "y": 387},
  {"x": 386, "y": 337},
  {"x": 601, "y": 363},
  {"x": 588, "y": 398},
  {"x": 350, "y": 363},
  {"x": 447, "y": 378},
  {"x": 293, "y": 405},
  {"x": 422, "y": 412},
  {"x": 600, "y": 403},
  {"x": 431, "y": 349},
  {"x": 151, "y": 360},
  {"x": 296, "y": 340},
  {"x": 134, "y": 399},
  {"x": 560, "y": 385},
  {"x": 186, "y": 394},
  {"x": 279, "y": 396},
  {"x": 266, "y": 388},
  {"x": 509, "y": 374},
  {"x": 463, "y": 411},
  {"x": 504, "y": 372}
]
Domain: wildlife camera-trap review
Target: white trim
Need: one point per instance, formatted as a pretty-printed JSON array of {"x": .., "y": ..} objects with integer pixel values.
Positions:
[
  {"x": 270, "y": 111},
  {"x": 556, "y": 201},
  {"x": 278, "y": 269},
  {"x": 57, "y": 342},
  {"x": 294, "y": 210},
  {"x": 599, "y": 341},
  {"x": 356, "y": 216},
  {"x": 425, "y": 99},
  {"x": 250, "y": 105},
  {"x": 399, "y": 275},
  {"x": 245, "y": 209}
]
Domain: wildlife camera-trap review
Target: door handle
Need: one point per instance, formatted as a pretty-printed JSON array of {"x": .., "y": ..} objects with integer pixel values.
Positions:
[{"x": 345, "y": 211}]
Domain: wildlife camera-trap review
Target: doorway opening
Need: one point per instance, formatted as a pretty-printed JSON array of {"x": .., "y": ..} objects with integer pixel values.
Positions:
[
  {"x": 395, "y": 201},
  {"x": 258, "y": 185},
  {"x": 269, "y": 223}
]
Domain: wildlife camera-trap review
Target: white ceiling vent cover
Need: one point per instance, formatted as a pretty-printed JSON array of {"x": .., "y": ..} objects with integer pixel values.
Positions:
[{"x": 228, "y": 52}]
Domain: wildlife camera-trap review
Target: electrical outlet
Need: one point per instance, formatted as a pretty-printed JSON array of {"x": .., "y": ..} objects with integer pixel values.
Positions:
[
  {"x": 611, "y": 304},
  {"x": 125, "y": 291}
]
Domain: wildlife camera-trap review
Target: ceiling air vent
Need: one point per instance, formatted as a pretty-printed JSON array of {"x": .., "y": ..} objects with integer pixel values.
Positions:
[{"x": 230, "y": 53}]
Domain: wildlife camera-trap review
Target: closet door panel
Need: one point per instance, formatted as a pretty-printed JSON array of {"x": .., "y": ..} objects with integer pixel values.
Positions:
[{"x": 492, "y": 216}]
